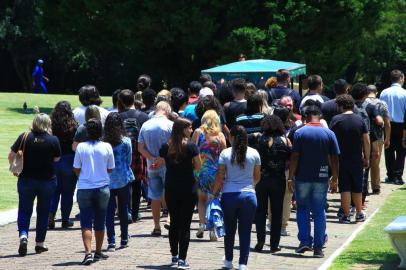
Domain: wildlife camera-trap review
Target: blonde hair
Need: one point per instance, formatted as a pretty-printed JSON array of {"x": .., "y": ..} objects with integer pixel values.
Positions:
[
  {"x": 210, "y": 122},
  {"x": 42, "y": 123},
  {"x": 164, "y": 107},
  {"x": 164, "y": 93}
]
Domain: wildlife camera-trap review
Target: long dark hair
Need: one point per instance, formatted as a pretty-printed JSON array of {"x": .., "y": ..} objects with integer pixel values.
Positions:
[
  {"x": 114, "y": 129},
  {"x": 239, "y": 146},
  {"x": 63, "y": 122},
  {"x": 178, "y": 140}
]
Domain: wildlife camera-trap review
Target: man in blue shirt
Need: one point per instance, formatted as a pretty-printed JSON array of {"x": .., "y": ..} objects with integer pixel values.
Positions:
[
  {"x": 314, "y": 149},
  {"x": 38, "y": 76},
  {"x": 395, "y": 97}
]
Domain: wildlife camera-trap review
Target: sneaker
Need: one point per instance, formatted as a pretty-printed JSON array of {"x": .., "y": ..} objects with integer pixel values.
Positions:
[
  {"x": 22, "y": 249},
  {"x": 87, "y": 260},
  {"x": 345, "y": 220},
  {"x": 124, "y": 244},
  {"x": 352, "y": 211},
  {"x": 242, "y": 267},
  {"x": 303, "y": 248},
  {"x": 213, "y": 236},
  {"x": 174, "y": 260},
  {"x": 340, "y": 213},
  {"x": 399, "y": 182},
  {"x": 228, "y": 264},
  {"x": 389, "y": 180},
  {"x": 156, "y": 232},
  {"x": 167, "y": 226},
  {"x": 200, "y": 232},
  {"x": 360, "y": 217},
  {"x": 40, "y": 249},
  {"x": 318, "y": 253},
  {"x": 259, "y": 246},
  {"x": 99, "y": 256},
  {"x": 274, "y": 250},
  {"x": 67, "y": 224},
  {"x": 284, "y": 232},
  {"x": 183, "y": 264},
  {"x": 111, "y": 247}
]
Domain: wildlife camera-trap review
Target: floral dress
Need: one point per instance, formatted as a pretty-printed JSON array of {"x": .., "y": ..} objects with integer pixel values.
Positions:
[{"x": 209, "y": 153}]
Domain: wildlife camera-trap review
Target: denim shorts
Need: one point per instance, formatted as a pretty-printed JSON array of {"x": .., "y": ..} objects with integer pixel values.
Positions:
[
  {"x": 156, "y": 183},
  {"x": 93, "y": 207}
]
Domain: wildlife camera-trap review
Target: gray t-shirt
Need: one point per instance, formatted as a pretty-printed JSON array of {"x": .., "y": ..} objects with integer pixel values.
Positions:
[
  {"x": 239, "y": 179},
  {"x": 154, "y": 133}
]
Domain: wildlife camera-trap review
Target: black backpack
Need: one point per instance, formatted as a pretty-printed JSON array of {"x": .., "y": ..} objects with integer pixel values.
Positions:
[
  {"x": 273, "y": 100},
  {"x": 138, "y": 164}
]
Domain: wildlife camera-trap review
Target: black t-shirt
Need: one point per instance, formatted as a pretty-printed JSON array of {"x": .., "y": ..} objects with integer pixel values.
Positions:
[
  {"x": 39, "y": 154},
  {"x": 234, "y": 109},
  {"x": 179, "y": 176},
  {"x": 349, "y": 129},
  {"x": 329, "y": 110}
]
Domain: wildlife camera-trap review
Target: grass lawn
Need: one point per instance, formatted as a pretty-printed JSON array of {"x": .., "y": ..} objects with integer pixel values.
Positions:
[
  {"x": 13, "y": 121},
  {"x": 371, "y": 249}
]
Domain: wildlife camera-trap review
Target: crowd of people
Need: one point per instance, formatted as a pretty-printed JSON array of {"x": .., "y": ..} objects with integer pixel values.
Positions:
[{"x": 260, "y": 152}]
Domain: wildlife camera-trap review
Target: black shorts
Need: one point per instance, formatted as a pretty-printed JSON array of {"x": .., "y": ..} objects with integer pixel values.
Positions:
[{"x": 350, "y": 177}]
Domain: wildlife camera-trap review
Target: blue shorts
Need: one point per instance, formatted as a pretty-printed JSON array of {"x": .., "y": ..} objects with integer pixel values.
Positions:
[
  {"x": 156, "y": 183},
  {"x": 93, "y": 207}
]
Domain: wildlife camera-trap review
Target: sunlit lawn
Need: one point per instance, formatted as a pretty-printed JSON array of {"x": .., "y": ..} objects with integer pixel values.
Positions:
[
  {"x": 13, "y": 121},
  {"x": 371, "y": 249}
]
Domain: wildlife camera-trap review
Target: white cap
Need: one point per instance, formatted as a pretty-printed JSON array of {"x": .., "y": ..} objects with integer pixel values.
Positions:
[{"x": 205, "y": 91}]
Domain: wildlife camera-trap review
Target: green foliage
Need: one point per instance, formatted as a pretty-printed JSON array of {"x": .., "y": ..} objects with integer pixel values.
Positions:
[{"x": 110, "y": 42}]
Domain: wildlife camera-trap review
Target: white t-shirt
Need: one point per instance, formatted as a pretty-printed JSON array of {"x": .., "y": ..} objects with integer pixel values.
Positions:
[
  {"x": 93, "y": 158},
  {"x": 79, "y": 114}
]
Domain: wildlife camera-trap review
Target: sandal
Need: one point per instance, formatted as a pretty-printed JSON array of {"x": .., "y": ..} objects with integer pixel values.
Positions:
[{"x": 156, "y": 232}]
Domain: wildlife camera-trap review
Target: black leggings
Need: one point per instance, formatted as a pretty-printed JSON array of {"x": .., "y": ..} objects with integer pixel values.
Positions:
[
  {"x": 274, "y": 189},
  {"x": 180, "y": 207},
  {"x": 135, "y": 192}
]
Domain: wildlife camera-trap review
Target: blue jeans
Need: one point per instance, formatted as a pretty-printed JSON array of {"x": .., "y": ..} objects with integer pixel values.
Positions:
[
  {"x": 93, "y": 207},
  {"x": 66, "y": 183},
  {"x": 238, "y": 207},
  {"x": 311, "y": 196},
  {"x": 123, "y": 196},
  {"x": 28, "y": 189}
]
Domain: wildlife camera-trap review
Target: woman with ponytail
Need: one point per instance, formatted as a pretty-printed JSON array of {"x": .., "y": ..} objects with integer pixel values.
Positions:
[{"x": 239, "y": 171}]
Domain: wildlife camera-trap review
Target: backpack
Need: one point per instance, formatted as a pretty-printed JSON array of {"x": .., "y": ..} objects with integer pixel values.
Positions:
[
  {"x": 138, "y": 162},
  {"x": 273, "y": 100},
  {"x": 360, "y": 109}
]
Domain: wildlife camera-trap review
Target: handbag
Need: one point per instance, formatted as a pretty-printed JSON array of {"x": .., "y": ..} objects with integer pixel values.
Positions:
[{"x": 16, "y": 166}]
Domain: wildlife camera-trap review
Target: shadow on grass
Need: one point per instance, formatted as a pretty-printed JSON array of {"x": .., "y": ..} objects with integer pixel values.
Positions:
[
  {"x": 46, "y": 110},
  {"x": 369, "y": 260}
]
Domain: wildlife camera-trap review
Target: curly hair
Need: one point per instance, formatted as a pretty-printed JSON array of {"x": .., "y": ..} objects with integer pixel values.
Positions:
[
  {"x": 114, "y": 129},
  {"x": 272, "y": 125},
  {"x": 63, "y": 122},
  {"x": 208, "y": 103},
  {"x": 239, "y": 145}
]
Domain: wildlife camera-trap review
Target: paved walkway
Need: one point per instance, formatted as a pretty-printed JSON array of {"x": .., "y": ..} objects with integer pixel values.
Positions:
[{"x": 146, "y": 252}]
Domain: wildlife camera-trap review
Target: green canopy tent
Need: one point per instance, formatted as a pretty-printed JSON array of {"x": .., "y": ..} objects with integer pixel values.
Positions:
[{"x": 255, "y": 70}]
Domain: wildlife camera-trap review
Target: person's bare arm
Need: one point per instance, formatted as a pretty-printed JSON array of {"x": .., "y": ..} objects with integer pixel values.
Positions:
[
  {"x": 257, "y": 174},
  {"x": 144, "y": 152},
  {"x": 379, "y": 120},
  {"x": 333, "y": 159},
  {"x": 294, "y": 159},
  {"x": 386, "y": 121},
  {"x": 76, "y": 171},
  {"x": 197, "y": 163},
  {"x": 366, "y": 148},
  {"x": 74, "y": 146},
  {"x": 218, "y": 184},
  {"x": 11, "y": 156}
]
